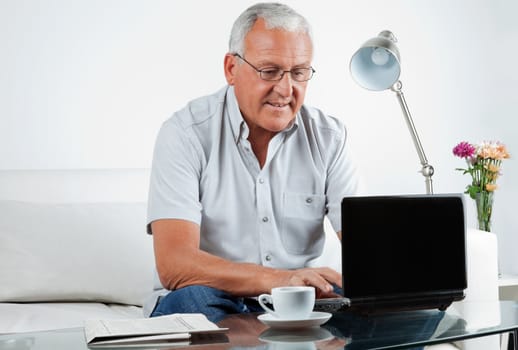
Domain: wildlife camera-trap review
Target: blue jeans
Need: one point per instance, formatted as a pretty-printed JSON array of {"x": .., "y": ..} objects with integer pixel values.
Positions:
[{"x": 213, "y": 303}]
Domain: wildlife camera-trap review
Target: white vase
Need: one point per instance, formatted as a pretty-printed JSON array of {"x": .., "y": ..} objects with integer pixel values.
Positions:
[{"x": 480, "y": 308}]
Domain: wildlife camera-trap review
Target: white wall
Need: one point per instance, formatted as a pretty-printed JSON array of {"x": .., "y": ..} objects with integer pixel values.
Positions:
[{"x": 87, "y": 83}]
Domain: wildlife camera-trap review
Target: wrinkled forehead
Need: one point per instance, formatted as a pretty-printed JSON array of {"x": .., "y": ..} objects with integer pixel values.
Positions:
[{"x": 263, "y": 41}]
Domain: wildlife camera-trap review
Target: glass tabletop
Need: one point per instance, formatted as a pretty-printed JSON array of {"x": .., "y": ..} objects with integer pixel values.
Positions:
[
  {"x": 425, "y": 327},
  {"x": 344, "y": 330}
]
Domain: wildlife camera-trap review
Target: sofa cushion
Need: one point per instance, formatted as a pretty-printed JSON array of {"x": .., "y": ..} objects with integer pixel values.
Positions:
[{"x": 74, "y": 252}]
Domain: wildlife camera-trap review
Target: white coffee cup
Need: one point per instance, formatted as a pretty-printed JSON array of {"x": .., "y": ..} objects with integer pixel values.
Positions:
[{"x": 289, "y": 303}]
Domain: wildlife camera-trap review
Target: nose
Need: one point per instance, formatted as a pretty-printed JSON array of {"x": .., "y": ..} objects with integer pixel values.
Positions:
[{"x": 284, "y": 87}]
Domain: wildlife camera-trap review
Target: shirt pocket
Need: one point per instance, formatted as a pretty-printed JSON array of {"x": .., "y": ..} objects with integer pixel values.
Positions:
[{"x": 303, "y": 223}]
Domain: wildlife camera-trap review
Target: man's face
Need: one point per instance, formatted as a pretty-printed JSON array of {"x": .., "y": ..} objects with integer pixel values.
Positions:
[{"x": 269, "y": 105}]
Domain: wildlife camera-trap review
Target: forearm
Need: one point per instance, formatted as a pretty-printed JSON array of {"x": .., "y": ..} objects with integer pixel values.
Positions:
[
  {"x": 180, "y": 263},
  {"x": 196, "y": 267}
]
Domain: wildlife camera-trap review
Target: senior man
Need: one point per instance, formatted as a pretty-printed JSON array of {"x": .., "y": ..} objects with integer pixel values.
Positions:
[{"x": 242, "y": 179}]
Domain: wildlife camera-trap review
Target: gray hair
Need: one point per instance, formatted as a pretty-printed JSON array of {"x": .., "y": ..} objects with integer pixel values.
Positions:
[{"x": 275, "y": 15}]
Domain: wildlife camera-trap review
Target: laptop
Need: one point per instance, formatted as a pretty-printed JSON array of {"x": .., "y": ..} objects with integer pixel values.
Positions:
[{"x": 403, "y": 252}]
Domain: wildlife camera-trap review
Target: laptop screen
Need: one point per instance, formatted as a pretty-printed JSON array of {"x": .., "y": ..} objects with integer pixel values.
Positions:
[{"x": 399, "y": 245}]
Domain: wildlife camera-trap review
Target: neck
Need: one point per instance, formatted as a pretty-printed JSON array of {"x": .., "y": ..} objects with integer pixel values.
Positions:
[{"x": 259, "y": 139}]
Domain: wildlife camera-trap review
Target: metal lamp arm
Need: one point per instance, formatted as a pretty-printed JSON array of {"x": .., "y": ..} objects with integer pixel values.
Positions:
[{"x": 427, "y": 170}]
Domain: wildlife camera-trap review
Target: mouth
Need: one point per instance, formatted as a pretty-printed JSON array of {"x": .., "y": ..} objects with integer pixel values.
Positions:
[{"x": 278, "y": 105}]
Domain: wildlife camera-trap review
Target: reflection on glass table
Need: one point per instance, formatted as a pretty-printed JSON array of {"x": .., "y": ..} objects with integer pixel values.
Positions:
[{"x": 406, "y": 329}]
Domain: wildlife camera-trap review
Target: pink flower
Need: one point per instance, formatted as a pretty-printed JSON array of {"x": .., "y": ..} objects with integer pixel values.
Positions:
[{"x": 464, "y": 150}]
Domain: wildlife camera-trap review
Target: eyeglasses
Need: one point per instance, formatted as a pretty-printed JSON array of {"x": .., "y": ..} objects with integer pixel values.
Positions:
[{"x": 275, "y": 74}]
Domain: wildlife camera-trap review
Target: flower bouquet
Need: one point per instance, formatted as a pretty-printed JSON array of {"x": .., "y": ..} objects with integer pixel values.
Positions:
[{"x": 483, "y": 164}]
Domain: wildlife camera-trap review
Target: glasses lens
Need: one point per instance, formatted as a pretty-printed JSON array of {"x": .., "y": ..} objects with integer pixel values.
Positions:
[
  {"x": 301, "y": 74},
  {"x": 271, "y": 74}
]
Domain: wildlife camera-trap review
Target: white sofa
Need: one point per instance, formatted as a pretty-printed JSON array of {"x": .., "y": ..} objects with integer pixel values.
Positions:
[{"x": 73, "y": 246}]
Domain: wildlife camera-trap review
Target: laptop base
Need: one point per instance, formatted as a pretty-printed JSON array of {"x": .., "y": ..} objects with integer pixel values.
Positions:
[{"x": 333, "y": 305}]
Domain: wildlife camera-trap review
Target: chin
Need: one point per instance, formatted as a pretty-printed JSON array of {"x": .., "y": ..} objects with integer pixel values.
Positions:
[
  {"x": 276, "y": 121},
  {"x": 279, "y": 124}
]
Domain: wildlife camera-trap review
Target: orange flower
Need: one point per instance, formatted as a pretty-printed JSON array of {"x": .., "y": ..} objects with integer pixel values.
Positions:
[
  {"x": 493, "y": 168},
  {"x": 502, "y": 151},
  {"x": 491, "y": 187},
  {"x": 492, "y": 150}
]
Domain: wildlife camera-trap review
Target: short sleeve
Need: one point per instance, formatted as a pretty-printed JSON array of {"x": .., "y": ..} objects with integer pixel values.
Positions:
[{"x": 175, "y": 173}]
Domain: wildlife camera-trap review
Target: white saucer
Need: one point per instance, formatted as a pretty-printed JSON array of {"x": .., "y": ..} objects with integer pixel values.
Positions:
[{"x": 314, "y": 320}]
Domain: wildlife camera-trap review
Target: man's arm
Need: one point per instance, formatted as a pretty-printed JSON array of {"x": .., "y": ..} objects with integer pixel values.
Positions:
[{"x": 181, "y": 263}]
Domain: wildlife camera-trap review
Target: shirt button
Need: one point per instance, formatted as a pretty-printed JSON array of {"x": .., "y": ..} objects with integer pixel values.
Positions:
[
  {"x": 261, "y": 181},
  {"x": 265, "y": 219},
  {"x": 268, "y": 258},
  {"x": 309, "y": 200}
]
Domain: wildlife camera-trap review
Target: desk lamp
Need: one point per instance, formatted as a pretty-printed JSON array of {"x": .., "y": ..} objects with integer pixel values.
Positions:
[{"x": 376, "y": 66}]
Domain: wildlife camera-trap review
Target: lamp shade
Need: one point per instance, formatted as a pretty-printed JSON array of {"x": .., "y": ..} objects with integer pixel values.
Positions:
[{"x": 376, "y": 65}]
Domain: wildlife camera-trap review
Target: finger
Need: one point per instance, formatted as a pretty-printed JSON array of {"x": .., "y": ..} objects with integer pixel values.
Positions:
[
  {"x": 330, "y": 275},
  {"x": 311, "y": 277}
]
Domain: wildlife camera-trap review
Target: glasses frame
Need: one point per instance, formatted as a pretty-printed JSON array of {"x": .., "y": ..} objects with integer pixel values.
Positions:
[{"x": 260, "y": 71}]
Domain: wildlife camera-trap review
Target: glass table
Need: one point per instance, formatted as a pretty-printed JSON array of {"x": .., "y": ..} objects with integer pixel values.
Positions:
[{"x": 348, "y": 331}]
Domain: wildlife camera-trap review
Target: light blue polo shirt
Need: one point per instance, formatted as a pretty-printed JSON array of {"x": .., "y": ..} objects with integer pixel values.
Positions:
[{"x": 204, "y": 171}]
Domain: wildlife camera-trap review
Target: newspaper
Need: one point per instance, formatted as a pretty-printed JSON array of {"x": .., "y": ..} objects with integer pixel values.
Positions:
[{"x": 176, "y": 329}]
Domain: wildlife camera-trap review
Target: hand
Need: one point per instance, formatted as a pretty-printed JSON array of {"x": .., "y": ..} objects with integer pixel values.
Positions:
[{"x": 322, "y": 278}]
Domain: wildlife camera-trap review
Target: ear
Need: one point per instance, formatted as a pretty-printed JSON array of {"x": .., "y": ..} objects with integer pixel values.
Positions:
[{"x": 229, "y": 68}]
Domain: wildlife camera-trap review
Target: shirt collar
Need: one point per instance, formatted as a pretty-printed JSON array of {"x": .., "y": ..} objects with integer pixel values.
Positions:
[{"x": 237, "y": 123}]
